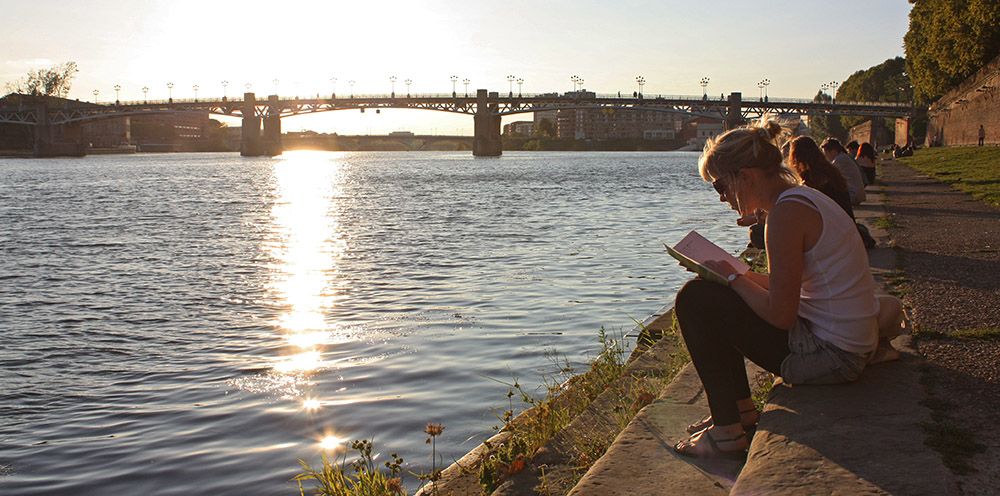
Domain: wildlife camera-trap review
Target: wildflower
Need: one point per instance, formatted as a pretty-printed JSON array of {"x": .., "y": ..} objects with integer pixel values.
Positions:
[
  {"x": 517, "y": 465},
  {"x": 434, "y": 430},
  {"x": 394, "y": 485}
]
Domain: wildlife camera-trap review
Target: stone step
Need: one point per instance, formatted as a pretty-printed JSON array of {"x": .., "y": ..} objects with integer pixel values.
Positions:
[{"x": 642, "y": 460}]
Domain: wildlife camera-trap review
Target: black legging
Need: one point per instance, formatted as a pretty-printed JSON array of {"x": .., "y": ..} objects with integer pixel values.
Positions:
[{"x": 719, "y": 330}]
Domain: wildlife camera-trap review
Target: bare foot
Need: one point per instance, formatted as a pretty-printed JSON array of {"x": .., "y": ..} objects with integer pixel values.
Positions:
[{"x": 884, "y": 353}]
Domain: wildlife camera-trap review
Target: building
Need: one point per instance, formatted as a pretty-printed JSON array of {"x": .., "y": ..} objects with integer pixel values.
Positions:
[
  {"x": 609, "y": 123},
  {"x": 700, "y": 129},
  {"x": 176, "y": 131},
  {"x": 519, "y": 128}
]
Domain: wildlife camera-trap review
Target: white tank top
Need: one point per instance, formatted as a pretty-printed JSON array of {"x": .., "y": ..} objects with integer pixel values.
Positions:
[{"x": 838, "y": 292}]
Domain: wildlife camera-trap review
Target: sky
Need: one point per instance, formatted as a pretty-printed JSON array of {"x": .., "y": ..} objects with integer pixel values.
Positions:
[{"x": 672, "y": 44}]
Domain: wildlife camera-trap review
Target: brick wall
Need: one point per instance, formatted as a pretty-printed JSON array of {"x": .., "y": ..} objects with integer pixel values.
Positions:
[{"x": 955, "y": 118}]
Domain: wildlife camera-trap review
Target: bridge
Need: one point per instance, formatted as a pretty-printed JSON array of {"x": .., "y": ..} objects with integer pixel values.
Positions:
[{"x": 261, "y": 128}]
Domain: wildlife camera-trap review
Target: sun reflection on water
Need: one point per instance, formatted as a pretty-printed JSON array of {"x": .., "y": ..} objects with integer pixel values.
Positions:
[{"x": 306, "y": 250}]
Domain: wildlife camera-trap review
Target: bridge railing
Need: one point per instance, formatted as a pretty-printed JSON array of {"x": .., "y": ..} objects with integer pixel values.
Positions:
[{"x": 569, "y": 96}]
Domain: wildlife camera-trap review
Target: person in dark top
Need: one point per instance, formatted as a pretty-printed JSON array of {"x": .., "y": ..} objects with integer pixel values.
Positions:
[
  {"x": 809, "y": 162},
  {"x": 866, "y": 158}
]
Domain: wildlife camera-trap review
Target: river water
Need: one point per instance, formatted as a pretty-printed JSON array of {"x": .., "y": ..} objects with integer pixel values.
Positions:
[{"x": 196, "y": 323}]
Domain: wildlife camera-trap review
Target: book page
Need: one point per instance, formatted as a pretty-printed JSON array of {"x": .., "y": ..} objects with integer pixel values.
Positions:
[{"x": 699, "y": 249}]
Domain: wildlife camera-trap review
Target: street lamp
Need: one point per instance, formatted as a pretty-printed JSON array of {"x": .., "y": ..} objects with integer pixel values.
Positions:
[
  {"x": 195, "y": 88},
  {"x": 224, "y": 85},
  {"x": 641, "y": 81},
  {"x": 275, "y": 81},
  {"x": 333, "y": 83},
  {"x": 408, "y": 83},
  {"x": 351, "y": 83},
  {"x": 95, "y": 95},
  {"x": 833, "y": 96},
  {"x": 766, "y": 82},
  {"x": 574, "y": 78},
  {"x": 704, "y": 88},
  {"x": 392, "y": 81},
  {"x": 520, "y": 81},
  {"x": 454, "y": 80},
  {"x": 118, "y": 88},
  {"x": 145, "y": 94},
  {"x": 248, "y": 86},
  {"x": 510, "y": 80},
  {"x": 170, "y": 92},
  {"x": 466, "y": 83},
  {"x": 760, "y": 90}
]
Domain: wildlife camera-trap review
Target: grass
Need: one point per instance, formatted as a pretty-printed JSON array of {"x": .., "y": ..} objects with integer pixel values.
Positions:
[
  {"x": 970, "y": 169},
  {"x": 887, "y": 222}
]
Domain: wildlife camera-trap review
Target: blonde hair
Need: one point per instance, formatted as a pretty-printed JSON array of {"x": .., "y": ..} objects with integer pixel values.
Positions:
[{"x": 754, "y": 146}]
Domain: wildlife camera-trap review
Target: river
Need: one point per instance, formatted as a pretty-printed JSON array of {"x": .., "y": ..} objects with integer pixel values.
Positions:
[{"x": 196, "y": 323}]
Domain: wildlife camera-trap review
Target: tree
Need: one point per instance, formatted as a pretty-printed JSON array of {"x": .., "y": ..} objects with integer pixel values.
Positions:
[
  {"x": 53, "y": 81},
  {"x": 545, "y": 129},
  {"x": 823, "y": 126},
  {"x": 885, "y": 82},
  {"x": 948, "y": 41}
]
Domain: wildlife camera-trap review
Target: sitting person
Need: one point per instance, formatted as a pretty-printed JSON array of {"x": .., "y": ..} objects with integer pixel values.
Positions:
[
  {"x": 811, "y": 320},
  {"x": 866, "y": 159},
  {"x": 837, "y": 155}
]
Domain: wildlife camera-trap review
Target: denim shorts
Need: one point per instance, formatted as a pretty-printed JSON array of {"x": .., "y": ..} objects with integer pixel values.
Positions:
[{"x": 812, "y": 360}]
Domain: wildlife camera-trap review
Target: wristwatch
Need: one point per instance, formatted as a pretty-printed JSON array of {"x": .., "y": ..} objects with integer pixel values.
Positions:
[{"x": 732, "y": 277}]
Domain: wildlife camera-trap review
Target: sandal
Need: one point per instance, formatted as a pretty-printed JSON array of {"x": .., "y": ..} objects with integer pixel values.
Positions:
[
  {"x": 715, "y": 451},
  {"x": 707, "y": 422}
]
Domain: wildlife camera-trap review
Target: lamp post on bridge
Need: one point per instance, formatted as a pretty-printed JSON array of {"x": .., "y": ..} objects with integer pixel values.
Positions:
[
  {"x": 333, "y": 84},
  {"x": 833, "y": 96},
  {"x": 641, "y": 81},
  {"x": 248, "y": 86},
  {"x": 760, "y": 90},
  {"x": 195, "y": 88},
  {"x": 766, "y": 82},
  {"x": 145, "y": 94},
  {"x": 224, "y": 85},
  {"x": 392, "y": 81},
  {"x": 574, "y": 78},
  {"x": 520, "y": 82},
  {"x": 170, "y": 92},
  {"x": 466, "y": 83},
  {"x": 118, "y": 88},
  {"x": 351, "y": 83},
  {"x": 510, "y": 80},
  {"x": 275, "y": 81},
  {"x": 704, "y": 87},
  {"x": 454, "y": 93},
  {"x": 408, "y": 82},
  {"x": 96, "y": 92}
]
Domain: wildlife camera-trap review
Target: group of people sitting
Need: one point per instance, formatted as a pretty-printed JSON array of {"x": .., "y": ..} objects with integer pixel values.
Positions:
[
  {"x": 814, "y": 318},
  {"x": 828, "y": 168}
]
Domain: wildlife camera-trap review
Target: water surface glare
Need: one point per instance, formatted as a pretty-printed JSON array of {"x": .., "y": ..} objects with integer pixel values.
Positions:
[{"x": 195, "y": 323}]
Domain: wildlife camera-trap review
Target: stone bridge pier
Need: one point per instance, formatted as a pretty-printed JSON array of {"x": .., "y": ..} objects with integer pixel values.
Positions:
[
  {"x": 254, "y": 142},
  {"x": 56, "y": 140},
  {"x": 486, "y": 142},
  {"x": 734, "y": 116}
]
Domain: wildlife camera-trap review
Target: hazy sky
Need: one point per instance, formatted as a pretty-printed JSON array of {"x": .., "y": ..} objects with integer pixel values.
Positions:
[{"x": 798, "y": 45}]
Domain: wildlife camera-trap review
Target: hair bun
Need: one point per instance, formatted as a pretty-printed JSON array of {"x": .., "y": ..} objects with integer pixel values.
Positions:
[{"x": 771, "y": 129}]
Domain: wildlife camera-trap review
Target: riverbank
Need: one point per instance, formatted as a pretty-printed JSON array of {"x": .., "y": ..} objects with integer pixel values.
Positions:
[{"x": 948, "y": 245}]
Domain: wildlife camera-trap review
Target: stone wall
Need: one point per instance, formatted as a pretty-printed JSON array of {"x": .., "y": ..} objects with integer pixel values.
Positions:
[
  {"x": 955, "y": 118},
  {"x": 871, "y": 131}
]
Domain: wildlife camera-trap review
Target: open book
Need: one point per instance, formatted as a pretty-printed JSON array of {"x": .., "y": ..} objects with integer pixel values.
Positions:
[{"x": 693, "y": 250}]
